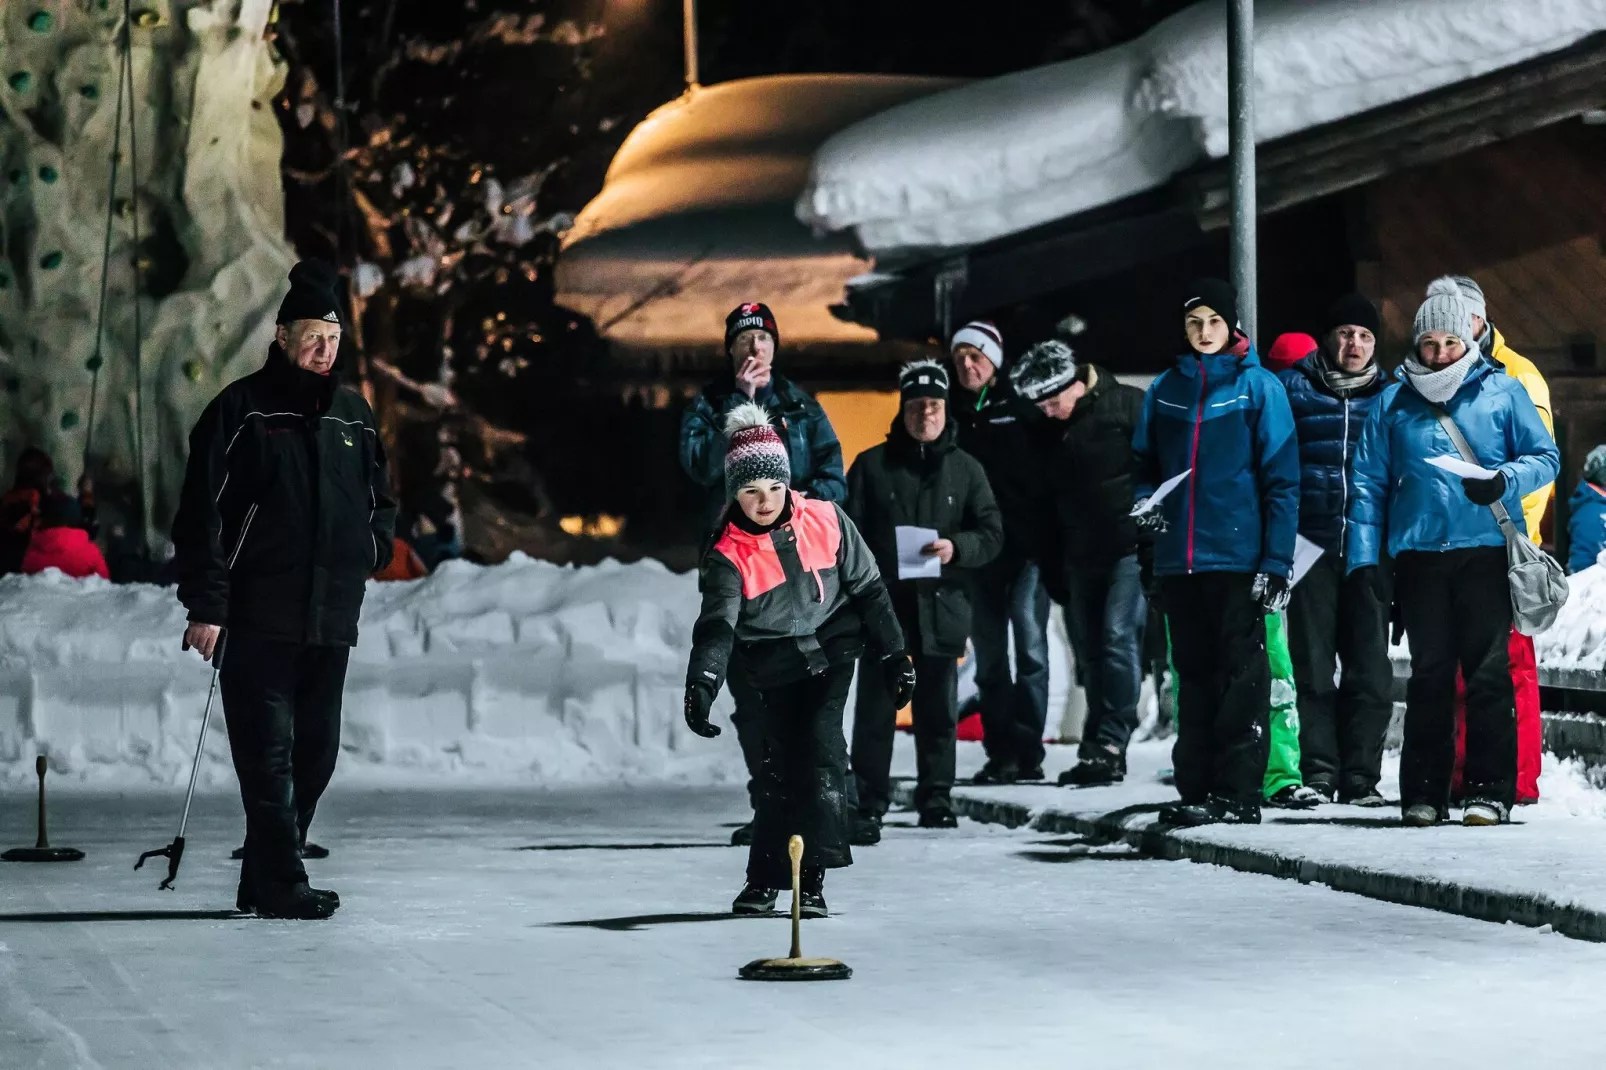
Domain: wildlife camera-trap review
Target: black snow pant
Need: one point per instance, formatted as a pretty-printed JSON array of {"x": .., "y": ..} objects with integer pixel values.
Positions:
[
  {"x": 1344, "y": 620},
  {"x": 1218, "y": 643},
  {"x": 281, "y": 702},
  {"x": 1457, "y": 610},
  {"x": 935, "y": 709},
  {"x": 748, "y": 720},
  {"x": 802, "y": 789}
]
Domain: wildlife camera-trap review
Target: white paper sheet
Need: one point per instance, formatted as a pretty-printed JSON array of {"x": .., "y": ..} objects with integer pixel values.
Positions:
[
  {"x": 1305, "y": 555},
  {"x": 912, "y": 564},
  {"x": 1161, "y": 491},
  {"x": 1457, "y": 467}
]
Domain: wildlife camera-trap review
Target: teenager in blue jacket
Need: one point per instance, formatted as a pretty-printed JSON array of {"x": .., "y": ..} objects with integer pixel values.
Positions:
[
  {"x": 1449, "y": 552},
  {"x": 1586, "y": 514},
  {"x": 1224, "y": 546}
]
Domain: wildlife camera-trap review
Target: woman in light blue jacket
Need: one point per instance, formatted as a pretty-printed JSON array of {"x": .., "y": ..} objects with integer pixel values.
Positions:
[{"x": 1450, "y": 560}]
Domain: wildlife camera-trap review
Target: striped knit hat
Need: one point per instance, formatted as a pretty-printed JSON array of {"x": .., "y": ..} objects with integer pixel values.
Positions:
[
  {"x": 754, "y": 451},
  {"x": 984, "y": 336}
]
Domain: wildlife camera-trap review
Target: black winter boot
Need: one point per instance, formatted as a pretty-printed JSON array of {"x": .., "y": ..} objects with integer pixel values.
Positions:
[
  {"x": 938, "y": 816},
  {"x": 811, "y": 901},
  {"x": 997, "y": 771},
  {"x": 245, "y": 899},
  {"x": 754, "y": 900},
  {"x": 866, "y": 829},
  {"x": 1216, "y": 810},
  {"x": 1096, "y": 771},
  {"x": 742, "y": 836},
  {"x": 295, "y": 902}
]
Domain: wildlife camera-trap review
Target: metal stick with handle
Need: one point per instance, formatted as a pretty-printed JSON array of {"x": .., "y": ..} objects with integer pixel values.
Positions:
[{"x": 174, "y": 852}]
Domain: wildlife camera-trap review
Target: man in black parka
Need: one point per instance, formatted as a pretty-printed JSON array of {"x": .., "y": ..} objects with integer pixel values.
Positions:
[
  {"x": 286, "y": 511},
  {"x": 1093, "y": 541},
  {"x": 919, "y": 478}
]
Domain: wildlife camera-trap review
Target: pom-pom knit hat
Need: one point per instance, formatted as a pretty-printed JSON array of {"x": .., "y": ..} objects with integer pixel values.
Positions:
[
  {"x": 984, "y": 336},
  {"x": 753, "y": 449},
  {"x": 1044, "y": 370},
  {"x": 1444, "y": 310},
  {"x": 922, "y": 379}
]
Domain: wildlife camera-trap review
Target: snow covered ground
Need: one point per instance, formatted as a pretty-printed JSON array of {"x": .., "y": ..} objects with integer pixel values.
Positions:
[
  {"x": 585, "y": 929},
  {"x": 1000, "y": 156}
]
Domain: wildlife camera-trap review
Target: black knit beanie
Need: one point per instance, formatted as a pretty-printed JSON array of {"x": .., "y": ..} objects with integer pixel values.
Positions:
[
  {"x": 1356, "y": 309},
  {"x": 313, "y": 294},
  {"x": 752, "y": 316},
  {"x": 1212, "y": 293}
]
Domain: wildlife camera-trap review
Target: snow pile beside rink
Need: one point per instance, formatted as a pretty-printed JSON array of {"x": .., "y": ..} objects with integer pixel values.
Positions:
[
  {"x": 523, "y": 672},
  {"x": 1578, "y": 638},
  {"x": 1003, "y": 155}
]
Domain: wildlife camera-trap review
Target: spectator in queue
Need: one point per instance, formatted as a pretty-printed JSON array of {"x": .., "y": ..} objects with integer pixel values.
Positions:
[
  {"x": 60, "y": 541},
  {"x": 1586, "y": 514}
]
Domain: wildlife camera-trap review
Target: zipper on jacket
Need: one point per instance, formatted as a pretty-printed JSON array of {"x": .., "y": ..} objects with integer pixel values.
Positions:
[
  {"x": 1343, "y": 471},
  {"x": 239, "y": 544},
  {"x": 1193, "y": 461}
]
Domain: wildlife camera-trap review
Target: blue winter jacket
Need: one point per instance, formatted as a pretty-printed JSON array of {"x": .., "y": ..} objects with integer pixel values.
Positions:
[
  {"x": 1328, "y": 428},
  {"x": 1402, "y": 500},
  {"x": 1226, "y": 418},
  {"x": 1586, "y": 525}
]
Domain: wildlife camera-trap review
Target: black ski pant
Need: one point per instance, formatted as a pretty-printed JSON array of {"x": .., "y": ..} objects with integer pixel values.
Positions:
[
  {"x": 1337, "y": 621},
  {"x": 281, "y": 702},
  {"x": 1008, "y": 596},
  {"x": 1457, "y": 611},
  {"x": 935, "y": 709},
  {"x": 1218, "y": 644},
  {"x": 802, "y": 789},
  {"x": 748, "y": 720},
  {"x": 1105, "y": 612}
]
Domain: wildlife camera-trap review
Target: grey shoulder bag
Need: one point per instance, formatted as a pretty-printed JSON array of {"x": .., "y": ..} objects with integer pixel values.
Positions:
[{"x": 1538, "y": 584}]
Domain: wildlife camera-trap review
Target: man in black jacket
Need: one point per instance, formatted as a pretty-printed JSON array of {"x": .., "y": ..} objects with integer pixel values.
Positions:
[
  {"x": 1086, "y": 449},
  {"x": 1007, "y": 593},
  {"x": 919, "y": 478},
  {"x": 285, "y": 512}
]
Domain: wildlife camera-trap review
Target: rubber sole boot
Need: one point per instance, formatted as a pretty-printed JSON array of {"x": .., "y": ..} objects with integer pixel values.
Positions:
[
  {"x": 813, "y": 906},
  {"x": 993, "y": 772},
  {"x": 1296, "y": 797},
  {"x": 754, "y": 900},
  {"x": 1420, "y": 816},
  {"x": 1480, "y": 812},
  {"x": 1093, "y": 773},
  {"x": 938, "y": 817},
  {"x": 294, "y": 902},
  {"x": 865, "y": 830}
]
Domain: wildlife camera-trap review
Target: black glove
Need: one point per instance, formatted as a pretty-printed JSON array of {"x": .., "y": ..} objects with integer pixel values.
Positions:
[
  {"x": 1270, "y": 591},
  {"x": 699, "y": 698},
  {"x": 900, "y": 676},
  {"x": 1151, "y": 521},
  {"x": 1485, "y": 491}
]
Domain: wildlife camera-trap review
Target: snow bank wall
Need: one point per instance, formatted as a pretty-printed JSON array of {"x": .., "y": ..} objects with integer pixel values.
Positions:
[{"x": 520, "y": 672}]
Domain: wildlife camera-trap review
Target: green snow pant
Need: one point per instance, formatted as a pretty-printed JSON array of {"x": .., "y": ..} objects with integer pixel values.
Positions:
[{"x": 1282, "y": 766}]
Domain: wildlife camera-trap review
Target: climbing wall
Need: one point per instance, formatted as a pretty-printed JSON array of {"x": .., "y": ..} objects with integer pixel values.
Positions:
[{"x": 208, "y": 207}]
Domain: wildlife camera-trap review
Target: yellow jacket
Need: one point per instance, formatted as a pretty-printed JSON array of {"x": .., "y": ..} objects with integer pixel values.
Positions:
[{"x": 1527, "y": 373}]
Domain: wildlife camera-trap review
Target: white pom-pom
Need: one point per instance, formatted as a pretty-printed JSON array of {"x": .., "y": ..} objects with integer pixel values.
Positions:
[
  {"x": 1443, "y": 286},
  {"x": 747, "y": 414}
]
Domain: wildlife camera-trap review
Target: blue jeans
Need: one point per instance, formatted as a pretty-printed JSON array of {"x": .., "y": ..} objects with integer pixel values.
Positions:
[
  {"x": 1105, "y": 616},
  {"x": 1008, "y": 594}
]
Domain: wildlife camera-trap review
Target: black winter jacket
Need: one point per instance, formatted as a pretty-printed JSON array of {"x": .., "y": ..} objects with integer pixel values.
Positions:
[
  {"x": 996, "y": 428},
  {"x": 286, "y": 508},
  {"x": 1091, "y": 470},
  {"x": 935, "y": 485}
]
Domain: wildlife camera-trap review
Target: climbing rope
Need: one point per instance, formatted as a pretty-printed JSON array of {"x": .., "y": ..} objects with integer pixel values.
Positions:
[
  {"x": 96, "y": 361},
  {"x": 133, "y": 186}
]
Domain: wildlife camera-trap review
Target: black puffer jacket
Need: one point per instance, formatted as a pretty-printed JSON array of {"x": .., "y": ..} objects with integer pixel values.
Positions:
[
  {"x": 935, "y": 485},
  {"x": 1090, "y": 466},
  {"x": 996, "y": 428},
  {"x": 286, "y": 508}
]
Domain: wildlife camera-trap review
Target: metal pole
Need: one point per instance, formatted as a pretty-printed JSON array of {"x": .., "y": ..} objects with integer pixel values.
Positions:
[
  {"x": 1241, "y": 137},
  {"x": 690, "y": 29}
]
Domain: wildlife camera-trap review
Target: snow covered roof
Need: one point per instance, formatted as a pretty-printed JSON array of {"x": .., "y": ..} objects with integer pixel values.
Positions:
[
  {"x": 696, "y": 213},
  {"x": 998, "y": 157}
]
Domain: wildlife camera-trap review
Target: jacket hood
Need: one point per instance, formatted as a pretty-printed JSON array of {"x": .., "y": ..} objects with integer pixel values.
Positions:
[{"x": 1586, "y": 494}]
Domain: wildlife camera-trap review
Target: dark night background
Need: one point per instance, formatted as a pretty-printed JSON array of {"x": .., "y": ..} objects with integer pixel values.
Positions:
[{"x": 457, "y": 114}]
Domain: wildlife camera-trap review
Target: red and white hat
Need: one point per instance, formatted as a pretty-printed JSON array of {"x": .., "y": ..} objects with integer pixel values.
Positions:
[
  {"x": 984, "y": 336},
  {"x": 753, "y": 450}
]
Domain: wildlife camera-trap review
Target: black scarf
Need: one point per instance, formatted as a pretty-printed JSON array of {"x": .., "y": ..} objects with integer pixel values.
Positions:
[{"x": 307, "y": 392}]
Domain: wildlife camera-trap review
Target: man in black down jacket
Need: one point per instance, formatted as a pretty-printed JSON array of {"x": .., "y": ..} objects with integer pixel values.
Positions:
[
  {"x": 1086, "y": 447},
  {"x": 1007, "y": 592},
  {"x": 919, "y": 478},
  {"x": 286, "y": 511}
]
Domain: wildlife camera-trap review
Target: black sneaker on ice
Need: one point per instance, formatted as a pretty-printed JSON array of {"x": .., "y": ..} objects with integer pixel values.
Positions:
[
  {"x": 743, "y": 836},
  {"x": 938, "y": 817},
  {"x": 1215, "y": 810},
  {"x": 995, "y": 771},
  {"x": 1323, "y": 788},
  {"x": 866, "y": 830},
  {"x": 1362, "y": 796},
  {"x": 1092, "y": 772},
  {"x": 295, "y": 902},
  {"x": 754, "y": 900},
  {"x": 812, "y": 905},
  {"x": 1295, "y": 797},
  {"x": 1031, "y": 772}
]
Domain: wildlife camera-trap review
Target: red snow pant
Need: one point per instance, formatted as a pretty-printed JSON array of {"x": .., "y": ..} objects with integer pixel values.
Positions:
[{"x": 1530, "y": 728}]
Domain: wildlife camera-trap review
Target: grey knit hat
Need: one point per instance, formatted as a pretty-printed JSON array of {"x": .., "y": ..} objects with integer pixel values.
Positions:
[
  {"x": 1595, "y": 466},
  {"x": 1044, "y": 370},
  {"x": 1444, "y": 310},
  {"x": 1472, "y": 294}
]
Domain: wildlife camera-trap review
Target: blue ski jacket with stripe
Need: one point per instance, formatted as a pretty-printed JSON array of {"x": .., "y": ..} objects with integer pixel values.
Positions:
[{"x": 1227, "y": 419}]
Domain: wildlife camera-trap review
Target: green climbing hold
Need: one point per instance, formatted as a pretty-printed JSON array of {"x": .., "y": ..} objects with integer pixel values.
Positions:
[
  {"x": 69, "y": 419},
  {"x": 145, "y": 18},
  {"x": 193, "y": 370},
  {"x": 48, "y": 174},
  {"x": 20, "y": 81},
  {"x": 94, "y": 363},
  {"x": 89, "y": 92},
  {"x": 41, "y": 21},
  {"x": 17, "y": 176},
  {"x": 51, "y": 260}
]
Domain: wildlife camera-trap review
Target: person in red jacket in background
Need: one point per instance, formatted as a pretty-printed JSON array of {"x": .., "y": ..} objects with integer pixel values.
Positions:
[
  {"x": 61, "y": 542},
  {"x": 1288, "y": 350},
  {"x": 405, "y": 564}
]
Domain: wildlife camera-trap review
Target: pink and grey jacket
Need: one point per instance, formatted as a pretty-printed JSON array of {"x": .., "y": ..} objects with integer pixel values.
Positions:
[{"x": 799, "y": 598}]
